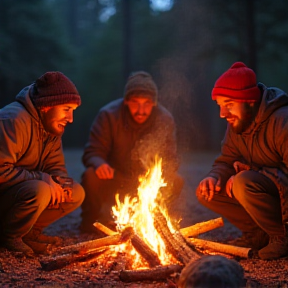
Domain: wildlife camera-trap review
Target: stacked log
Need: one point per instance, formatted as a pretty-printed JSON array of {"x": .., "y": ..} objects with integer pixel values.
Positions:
[{"x": 175, "y": 243}]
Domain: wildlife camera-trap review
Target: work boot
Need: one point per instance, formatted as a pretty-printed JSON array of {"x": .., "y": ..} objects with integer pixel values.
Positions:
[
  {"x": 255, "y": 240},
  {"x": 36, "y": 235},
  {"x": 277, "y": 248},
  {"x": 17, "y": 245}
]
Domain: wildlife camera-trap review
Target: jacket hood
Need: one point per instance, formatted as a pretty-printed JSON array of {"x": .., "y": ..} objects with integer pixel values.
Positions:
[
  {"x": 272, "y": 99},
  {"x": 23, "y": 98}
]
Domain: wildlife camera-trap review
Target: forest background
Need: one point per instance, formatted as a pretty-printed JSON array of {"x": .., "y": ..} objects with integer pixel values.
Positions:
[{"x": 185, "y": 44}]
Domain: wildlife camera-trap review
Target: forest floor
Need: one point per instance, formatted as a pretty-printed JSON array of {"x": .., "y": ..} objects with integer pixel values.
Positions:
[{"x": 19, "y": 271}]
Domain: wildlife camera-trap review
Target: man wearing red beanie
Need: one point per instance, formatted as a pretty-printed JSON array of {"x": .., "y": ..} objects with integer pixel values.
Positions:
[
  {"x": 35, "y": 189},
  {"x": 248, "y": 183}
]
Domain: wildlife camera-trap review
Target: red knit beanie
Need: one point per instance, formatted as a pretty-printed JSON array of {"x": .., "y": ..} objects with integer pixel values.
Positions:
[
  {"x": 140, "y": 83},
  {"x": 54, "y": 88},
  {"x": 238, "y": 83}
]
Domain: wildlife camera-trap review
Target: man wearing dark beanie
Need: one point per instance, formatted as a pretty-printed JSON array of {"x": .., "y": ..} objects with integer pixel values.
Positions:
[
  {"x": 248, "y": 183},
  {"x": 124, "y": 136},
  {"x": 35, "y": 189}
]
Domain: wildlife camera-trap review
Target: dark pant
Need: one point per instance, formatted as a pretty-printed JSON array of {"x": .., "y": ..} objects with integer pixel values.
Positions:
[
  {"x": 256, "y": 203},
  {"x": 25, "y": 205},
  {"x": 100, "y": 194}
]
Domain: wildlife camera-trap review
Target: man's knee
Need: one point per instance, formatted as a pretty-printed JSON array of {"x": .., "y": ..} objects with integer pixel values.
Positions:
[
  {"x": 35, "y": 191},
  {"x": 240, "y": 182},
  {"x": 78, "y": 193}
]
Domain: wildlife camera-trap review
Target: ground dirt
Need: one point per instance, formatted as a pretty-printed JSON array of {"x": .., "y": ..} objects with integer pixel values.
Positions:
[{"x": 19, "y": 271}]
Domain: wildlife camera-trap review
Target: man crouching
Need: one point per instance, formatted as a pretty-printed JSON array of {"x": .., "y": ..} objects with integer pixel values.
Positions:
[{"x": 33, "y": 176}]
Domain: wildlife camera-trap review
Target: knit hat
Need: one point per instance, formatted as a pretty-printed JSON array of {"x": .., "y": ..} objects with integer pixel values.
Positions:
[
  {"x": 141, "y": 83},
  {"x": 238, "y": 83},
  {"x": 54, "y": 88}
]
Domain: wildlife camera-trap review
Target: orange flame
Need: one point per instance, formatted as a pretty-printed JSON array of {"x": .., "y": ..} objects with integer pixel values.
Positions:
[{"x": 138, "y": 211}]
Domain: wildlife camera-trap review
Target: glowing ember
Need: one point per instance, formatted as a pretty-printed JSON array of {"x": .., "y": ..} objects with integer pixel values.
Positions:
[{"x": 138, "y": 213}]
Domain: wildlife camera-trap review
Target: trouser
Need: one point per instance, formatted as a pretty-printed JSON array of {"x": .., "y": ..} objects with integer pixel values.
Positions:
[
  {"x": 25, "y": 205},
  {"x": 256, "y": 203},
  {"x": 100, "y": 194}
]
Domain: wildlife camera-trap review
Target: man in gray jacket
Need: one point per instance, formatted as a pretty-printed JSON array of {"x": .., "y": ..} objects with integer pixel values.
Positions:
[
  {"x": 248, "y": 183},
  {"x": 125, "y": 136},
  {"x": 35, "y": 189}
]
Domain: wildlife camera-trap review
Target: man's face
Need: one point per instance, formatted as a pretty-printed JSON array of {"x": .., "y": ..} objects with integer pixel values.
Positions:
[
  {"x": 238, "y": 114},
  {"x": 55, "y": 118},
  {"x": 140, "y": 108}
]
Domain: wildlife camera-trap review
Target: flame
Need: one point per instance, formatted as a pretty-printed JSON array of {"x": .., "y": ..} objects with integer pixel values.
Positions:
[{"x": 137, "y": 212}]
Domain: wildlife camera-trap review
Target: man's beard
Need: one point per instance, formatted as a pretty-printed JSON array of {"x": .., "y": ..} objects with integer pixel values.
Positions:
[
  {"x": 246, "y": 120},
  {"x": 242, "y": 125}
]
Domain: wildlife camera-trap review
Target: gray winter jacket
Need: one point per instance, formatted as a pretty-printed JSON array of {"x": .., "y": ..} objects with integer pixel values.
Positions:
[
  {"x": 115, "y": 138},
  {"x": 26, "y": 149},
  {"x": 263, "y": 147}
]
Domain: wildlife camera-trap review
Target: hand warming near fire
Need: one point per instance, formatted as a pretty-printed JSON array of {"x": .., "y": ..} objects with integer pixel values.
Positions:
[
  {"x": 248, "y": 181},
  {"x": 35, "y": 189},
  {"x": 125, "y": 134}
]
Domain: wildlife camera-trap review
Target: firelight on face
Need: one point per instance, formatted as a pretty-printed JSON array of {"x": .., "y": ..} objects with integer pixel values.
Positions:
[
  {"x": 55, "y": 118},
  {"x": 140, "y": 108},
  {"x": 239, "y": 115}
]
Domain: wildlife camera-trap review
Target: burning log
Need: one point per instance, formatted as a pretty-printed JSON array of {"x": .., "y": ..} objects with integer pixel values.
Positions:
[
  {"x": 158, "y": 273},
  {"x": 86, "y": 246},
  {"x": 84, "y": 250},
  {"x": 145, "y": 251},
  {"x": 67, "y": 259},
  {"x": 175, "y": 244},
  {"x": 140, "y": 246},
  {"x": 219, "y": 247},
  {"x": 199, "y": 228}
]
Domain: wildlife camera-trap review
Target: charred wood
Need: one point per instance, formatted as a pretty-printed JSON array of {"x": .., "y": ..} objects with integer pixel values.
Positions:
[
  {"x": 87, "y": 246},
  {"x": 178, "y": 248},
  {"x": 145, "y": 251},
  {"x": 153, "y": 274},
  {"x": 64, "y": 260}
]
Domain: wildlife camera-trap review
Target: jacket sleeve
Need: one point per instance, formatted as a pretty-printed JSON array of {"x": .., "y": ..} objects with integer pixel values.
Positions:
[
  {"x": 223, "y": 165},
  {"x": 12, "y": 147},
  {"x": 99, "y": 143}
]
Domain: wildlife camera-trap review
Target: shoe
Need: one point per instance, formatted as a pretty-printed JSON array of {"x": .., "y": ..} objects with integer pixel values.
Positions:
[
  {"x": 277, "y": 248},
  {"x": 37, "y": 247},
  {"x": 255, "y": 240},
  {"x": 17, "y": 245},
  {"x": 36, "y": 235}
]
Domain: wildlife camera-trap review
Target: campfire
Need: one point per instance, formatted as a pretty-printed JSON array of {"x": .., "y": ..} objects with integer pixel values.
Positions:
[{"x": 153, "y": 245}]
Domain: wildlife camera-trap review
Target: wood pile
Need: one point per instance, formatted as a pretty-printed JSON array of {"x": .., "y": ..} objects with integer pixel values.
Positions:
[{"x": 183, "y": 244}]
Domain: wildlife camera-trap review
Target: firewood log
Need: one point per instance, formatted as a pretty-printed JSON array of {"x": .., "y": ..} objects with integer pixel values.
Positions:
[
  {"x": 153, "y": 274},
  {"x": 140, "y": 246},
  {"x": 84, "y": 247},
  {"x": 145, "y": 251},
  {"x": 178, "y": 248},
  {"x": 61, "y": 261},
  {"x": 219, "y": 247},
  {"x": 202, "y": 227},
  {"x": 104, "y": 229}
]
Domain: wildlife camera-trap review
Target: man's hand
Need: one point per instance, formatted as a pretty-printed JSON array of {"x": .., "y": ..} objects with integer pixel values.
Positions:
[
  {"x": 57, "y": 192},
  {"x": 105, "y": 172},
  {"x": 208, "y": 187},
  {"x": 229, "y": 185}
]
